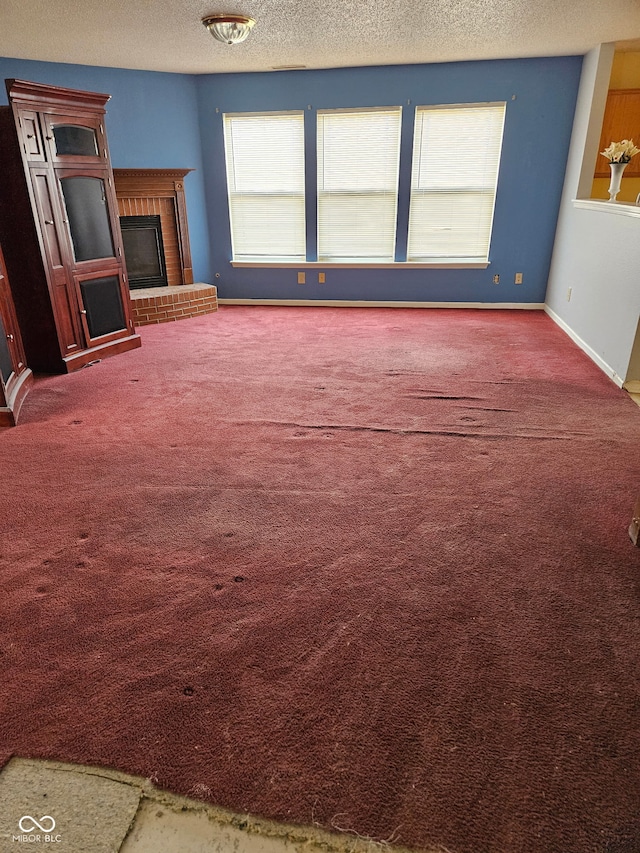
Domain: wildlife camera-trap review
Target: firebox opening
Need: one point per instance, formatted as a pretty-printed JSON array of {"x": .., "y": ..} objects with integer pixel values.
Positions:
[{"x": 144, "y": 251}]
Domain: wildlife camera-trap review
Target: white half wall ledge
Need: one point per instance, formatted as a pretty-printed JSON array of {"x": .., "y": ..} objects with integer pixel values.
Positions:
[
  {"x": 619, "y": 208},
  {"x": 348, "y": 303},
  {"x": 593, "y": 355}
]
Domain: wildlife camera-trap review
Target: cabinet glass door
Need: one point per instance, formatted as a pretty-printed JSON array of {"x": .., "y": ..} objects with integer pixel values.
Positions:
[
  {"x": 11, "y": 353},
  {"x": 102, "y": 310},
  {"x": 6, "y": 361},
  {"x": 72, "y": 140},
  {"x": 88, "y": 217}
]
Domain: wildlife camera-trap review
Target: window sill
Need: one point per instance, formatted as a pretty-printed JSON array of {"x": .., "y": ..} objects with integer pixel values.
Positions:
[
  {"x": 620, "y": 208},
  {"x": 442, "y": 264}
]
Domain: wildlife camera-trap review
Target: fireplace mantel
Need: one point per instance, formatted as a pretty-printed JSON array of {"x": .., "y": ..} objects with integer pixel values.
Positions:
[
  {"x": 160, "y": 191},
  {"x": 153, "y": 176}
]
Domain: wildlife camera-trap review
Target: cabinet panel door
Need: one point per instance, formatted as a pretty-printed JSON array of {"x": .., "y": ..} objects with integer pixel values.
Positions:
[
  {"x": 31, "y": 136},
  {"x": 62, "y": 289},
  {"x": 75, "y": 139},
  {"x": 49, "y": 222}
]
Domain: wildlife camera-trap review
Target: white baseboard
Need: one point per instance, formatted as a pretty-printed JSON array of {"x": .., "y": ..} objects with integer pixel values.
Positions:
[
  {"x": 348, "y": 303},
  {"x": 593, "y": 355}
]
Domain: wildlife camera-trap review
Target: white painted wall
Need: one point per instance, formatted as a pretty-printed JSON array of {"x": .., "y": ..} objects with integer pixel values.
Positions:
[{"x": 596, "y": 252}]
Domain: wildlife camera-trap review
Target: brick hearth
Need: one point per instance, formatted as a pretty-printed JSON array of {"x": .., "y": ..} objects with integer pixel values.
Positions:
[{"x": 164, "y": 304}]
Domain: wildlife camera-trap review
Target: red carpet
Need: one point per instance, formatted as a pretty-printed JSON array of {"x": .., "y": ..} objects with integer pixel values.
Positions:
[{"x": 363, "y": 568}]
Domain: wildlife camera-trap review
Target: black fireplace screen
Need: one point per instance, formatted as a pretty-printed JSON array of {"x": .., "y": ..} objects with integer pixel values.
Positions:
[{"x": 143, "y": 251}]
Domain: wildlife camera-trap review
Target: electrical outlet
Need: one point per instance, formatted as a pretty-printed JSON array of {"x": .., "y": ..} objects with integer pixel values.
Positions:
[
  {"x": 569, "y": 294},
  {"x": 321, "y": 278},
  {"x": 518, "y": 279},
  {"x": 496, "y": 279},
  {"x": 301, "y": 278}
]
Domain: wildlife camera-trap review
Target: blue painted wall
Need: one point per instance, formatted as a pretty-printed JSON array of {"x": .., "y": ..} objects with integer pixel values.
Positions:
[
  {"x": 540, "y": 96},
  {"x": 152, "y": 123},
  {"x": 158, "y": 120}
]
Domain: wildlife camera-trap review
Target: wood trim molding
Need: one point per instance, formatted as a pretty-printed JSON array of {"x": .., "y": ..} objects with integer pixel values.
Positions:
[
  {"x": 48, "y": 97},
  {"x": 160, "y": 183},
  {"x": 153, "y": 175}
]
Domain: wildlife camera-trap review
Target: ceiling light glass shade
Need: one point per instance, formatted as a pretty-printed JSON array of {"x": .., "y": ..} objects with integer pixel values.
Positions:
[{"x": 230, "y": 29}]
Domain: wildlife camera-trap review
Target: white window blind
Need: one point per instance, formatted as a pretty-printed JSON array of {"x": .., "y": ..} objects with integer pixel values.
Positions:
[
  {"x": 358, "y": 159},
  {"x": 456, "y": 156},
  {"x": 265, "y": 180}
]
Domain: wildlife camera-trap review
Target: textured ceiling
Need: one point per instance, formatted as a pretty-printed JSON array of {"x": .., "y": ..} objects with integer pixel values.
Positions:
[{"x": 167, "y": 35}]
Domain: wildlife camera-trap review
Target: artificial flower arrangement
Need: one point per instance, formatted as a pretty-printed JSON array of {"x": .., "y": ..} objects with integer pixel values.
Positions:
[{"x": 620, "y": 152}]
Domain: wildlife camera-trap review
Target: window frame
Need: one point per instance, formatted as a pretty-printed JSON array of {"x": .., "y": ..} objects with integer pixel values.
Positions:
[
  {"x": 325, "y": 196},
  {"x": 489, "y": 189},
  {"x": 310, "y": 193},
  {"x": 234, "y": 195}
]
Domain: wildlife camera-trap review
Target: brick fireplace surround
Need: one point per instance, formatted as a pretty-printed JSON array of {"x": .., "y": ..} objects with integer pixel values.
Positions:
[{"x": 160, "y": 192}]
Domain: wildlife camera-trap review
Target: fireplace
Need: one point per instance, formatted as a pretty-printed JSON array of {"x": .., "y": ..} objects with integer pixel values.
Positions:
[
  {"x": 144, "y": 251},
  {"x": 160, "y": 192}
]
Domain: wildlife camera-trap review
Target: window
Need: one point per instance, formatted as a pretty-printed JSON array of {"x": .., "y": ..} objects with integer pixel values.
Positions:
[
  {"x": 265, "y": 180},
  {"x": 358, "y": 160},
  {"x": 456, "y": 156},
  {"x": 454, "y": 175}
]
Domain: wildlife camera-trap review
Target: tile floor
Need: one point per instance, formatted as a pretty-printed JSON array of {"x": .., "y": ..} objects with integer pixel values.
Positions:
[
  {"x": 633, "y": 390},
  {"x": 96, "y": 810}
]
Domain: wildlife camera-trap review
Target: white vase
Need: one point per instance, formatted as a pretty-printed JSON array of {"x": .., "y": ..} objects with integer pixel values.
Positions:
[{"x": 616, "y": 176}]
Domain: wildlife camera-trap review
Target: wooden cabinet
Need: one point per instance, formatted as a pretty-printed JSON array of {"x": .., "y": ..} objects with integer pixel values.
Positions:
[
  {"x": 621, "y": 121},
  {"x": 59, "y": 227},
  {"x": 15, "y": 376}
]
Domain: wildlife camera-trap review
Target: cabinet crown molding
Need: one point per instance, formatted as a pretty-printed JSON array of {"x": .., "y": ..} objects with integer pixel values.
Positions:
[{"x": 46, "y": 96}]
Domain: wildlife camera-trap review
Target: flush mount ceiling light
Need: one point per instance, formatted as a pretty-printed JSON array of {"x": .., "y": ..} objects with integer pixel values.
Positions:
[{"x": 230, "y": 29}]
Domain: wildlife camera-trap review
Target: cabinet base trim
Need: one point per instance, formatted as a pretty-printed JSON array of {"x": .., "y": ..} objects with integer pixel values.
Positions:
[{"x": 78, "y": 360}]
